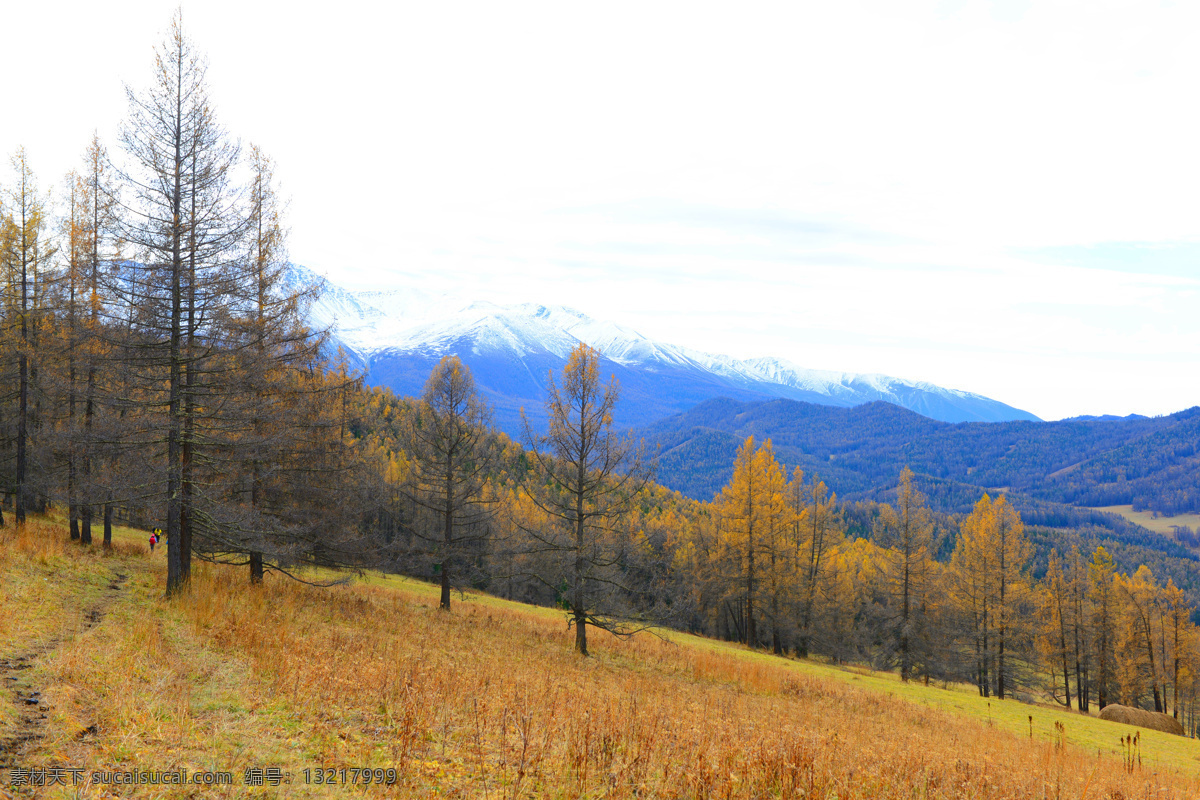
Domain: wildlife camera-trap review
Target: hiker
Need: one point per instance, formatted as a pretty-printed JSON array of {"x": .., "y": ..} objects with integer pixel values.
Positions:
[{"x": 153, "y": 541}]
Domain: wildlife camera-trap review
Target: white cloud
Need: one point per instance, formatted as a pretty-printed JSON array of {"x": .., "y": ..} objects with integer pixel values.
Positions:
[{"x": 859, "y": 186}]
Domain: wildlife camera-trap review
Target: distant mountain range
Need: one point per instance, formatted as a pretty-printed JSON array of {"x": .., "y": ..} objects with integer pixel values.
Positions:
[
  {"x": 1152, "y": 463},
  {"x": 396, "y": 336}
]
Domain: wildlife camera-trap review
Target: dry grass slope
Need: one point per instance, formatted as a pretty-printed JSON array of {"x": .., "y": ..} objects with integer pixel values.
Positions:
[{"x": 490, "y": 701}]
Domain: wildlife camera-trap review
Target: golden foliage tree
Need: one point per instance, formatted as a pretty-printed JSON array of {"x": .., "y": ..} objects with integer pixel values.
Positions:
[
  {"x": 1053, "y": 596},
  {"x": 750, "y": 514},
  {"x": 1140, "y": 596},
  {"x": 908, "y": 530},
  {"x": 821, "y": 530},
  {"x": 1103, "y": 607},
  {"x": 989, "y": 563},
  {"x": 587, "y": 480},
  {"x": 1180, "y": 635}
]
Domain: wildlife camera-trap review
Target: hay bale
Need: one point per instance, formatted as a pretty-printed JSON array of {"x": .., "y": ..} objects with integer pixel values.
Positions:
[{"x": 1143, "y": 719}]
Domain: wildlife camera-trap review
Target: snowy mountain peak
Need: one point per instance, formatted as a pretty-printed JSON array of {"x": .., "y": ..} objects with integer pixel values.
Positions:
[{"x": 399, "y": 334}]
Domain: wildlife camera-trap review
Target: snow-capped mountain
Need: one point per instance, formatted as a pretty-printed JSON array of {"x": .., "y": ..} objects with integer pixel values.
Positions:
[{"x": 398, "y": 335}]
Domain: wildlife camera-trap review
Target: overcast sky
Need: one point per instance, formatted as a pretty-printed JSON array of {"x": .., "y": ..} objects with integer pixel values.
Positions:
[{"x": 1002, "y": 197}]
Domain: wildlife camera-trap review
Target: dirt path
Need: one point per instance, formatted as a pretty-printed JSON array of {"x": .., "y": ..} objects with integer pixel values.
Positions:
[{"x": 26, "y": 697}]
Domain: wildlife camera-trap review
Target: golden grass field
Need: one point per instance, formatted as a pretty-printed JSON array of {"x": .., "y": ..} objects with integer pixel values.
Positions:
[
  {"x": 1147, "y": 519},
  {"x": 488, "y": 701}
]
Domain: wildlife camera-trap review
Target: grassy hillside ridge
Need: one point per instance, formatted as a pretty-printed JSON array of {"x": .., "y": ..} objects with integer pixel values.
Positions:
[{"x": 490, "y": 700}]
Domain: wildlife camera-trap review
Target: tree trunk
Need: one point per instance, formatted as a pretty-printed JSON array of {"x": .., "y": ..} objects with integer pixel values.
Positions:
[
  {"x": 72, "y": 446},
  {"x": 1102, "y": 686},
  {"x": 1067, "y": 675},
  {"x": 1000, "y": 666},
  {"x": 751, "y": 627},
  {"x": 89, "y": 402},
  {"x": 176, "y": 575},
  {"x": 23, "y": 369},
  {"x": 22, "y": 435},
  {"x": 72, "y": 499},
  {"x": 579, "y": 608},
  {"x": 776, "y": 642},
  {"x": 256, "y": 568},
  {"x": 108, "y": 520},
  {"x": 85, "y": 531},
  {"x": 72, "y": 510},
  {"x": 1148, "y": 631},
  {"x": 448, "y": 532},
  {"x": 1080, "y": 691},
  {"x": 905, "y": 666},
  {"x": 1175, "y": 664},
  {"x": 187, "y": 468},
  {"x": 985, "y": 679},
  {"x": 581, "y": 634},
  {"x": 1158, "y": 700}
]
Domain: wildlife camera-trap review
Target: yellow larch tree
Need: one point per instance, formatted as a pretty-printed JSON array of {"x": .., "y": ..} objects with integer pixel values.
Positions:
[
  {"x": 778, "y": 577},
  {"x": 1102, "y": 608},
  {"x": 989, "y": 563},
  {"x": 855, "y": 572},
  {"x": 1139, "y": 595},
  {"x": 1053, "y": 596},
  {"x": 822, "y": 529},
  {"x": 1179, "y": 635},
  {"x": 743, "y": 508},
  {"x": 908, "y": 531},
  {"x": 1080, "y": 631},
  {"x": 590, "y": 476}
]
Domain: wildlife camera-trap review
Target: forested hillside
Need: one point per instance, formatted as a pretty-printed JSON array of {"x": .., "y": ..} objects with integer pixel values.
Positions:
[
  {"x": 1148, "y": 463},
  {"x": 157, "y": 370}
]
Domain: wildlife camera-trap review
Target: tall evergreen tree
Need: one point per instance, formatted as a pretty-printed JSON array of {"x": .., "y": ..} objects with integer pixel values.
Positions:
[{"x": 186, "y": 222}]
